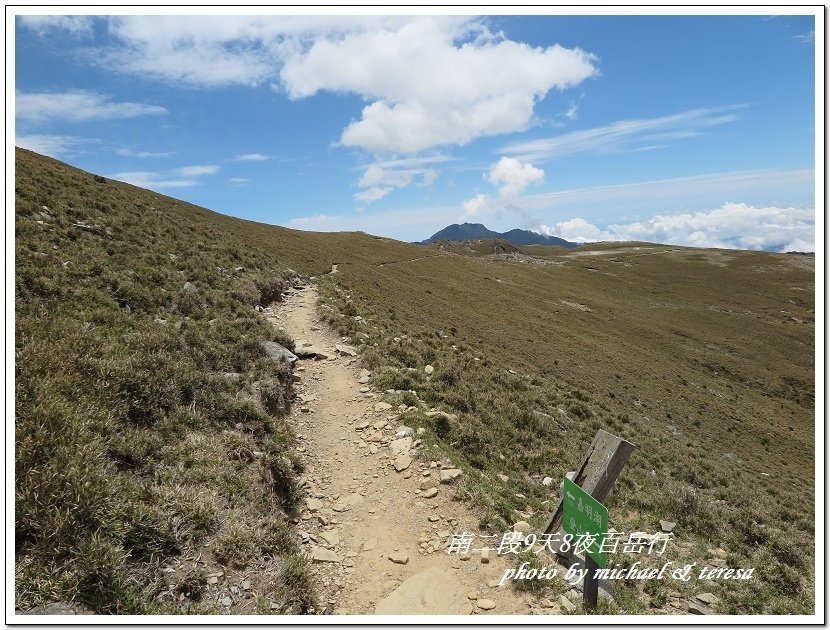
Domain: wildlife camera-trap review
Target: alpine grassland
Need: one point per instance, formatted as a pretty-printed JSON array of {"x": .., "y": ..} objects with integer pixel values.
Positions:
[{"x": 151, "y": 451}]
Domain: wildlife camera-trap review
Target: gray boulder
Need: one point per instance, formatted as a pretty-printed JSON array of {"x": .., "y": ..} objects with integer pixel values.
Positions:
[{"x": 276, "y": 352}]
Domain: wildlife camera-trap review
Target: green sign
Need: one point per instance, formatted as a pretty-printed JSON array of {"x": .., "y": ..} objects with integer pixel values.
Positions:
[{"x": 583, "y": 515}]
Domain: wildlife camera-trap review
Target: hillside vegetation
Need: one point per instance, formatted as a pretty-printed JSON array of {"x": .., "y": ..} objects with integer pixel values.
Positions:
[{"x": 131, "y": 442}]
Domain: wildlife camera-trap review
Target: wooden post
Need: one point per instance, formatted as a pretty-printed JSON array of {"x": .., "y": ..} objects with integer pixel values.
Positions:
[
  {"x": 598, "y": 471},
  {"x": 590, "y": 588},
  {"x": 597, "y": 474}
]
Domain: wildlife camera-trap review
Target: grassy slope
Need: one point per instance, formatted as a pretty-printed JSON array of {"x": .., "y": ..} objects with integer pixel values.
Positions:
[
  {"x": 690, "y": 339},
  {"x": 133, "y": 451}
]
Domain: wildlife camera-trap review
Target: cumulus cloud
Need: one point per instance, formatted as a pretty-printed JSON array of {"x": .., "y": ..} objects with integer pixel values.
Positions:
[
  {"x": 731, "y": 226},
  {"x": 427, "y": 81},
  {"x": 511, "y": 177},
  {"x": 431, "y": 85},
  {"x": 76, "y": 106},
  {"x": 624, "y": 135}
]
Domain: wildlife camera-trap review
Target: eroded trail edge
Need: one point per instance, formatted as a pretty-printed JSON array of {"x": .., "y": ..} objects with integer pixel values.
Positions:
[{"x": 377, "y": 518}]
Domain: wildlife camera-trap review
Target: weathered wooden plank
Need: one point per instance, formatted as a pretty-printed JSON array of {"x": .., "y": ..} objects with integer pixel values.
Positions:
[
  {"x": 600, "y": 467},
  {"x": 602, "y": 464}
]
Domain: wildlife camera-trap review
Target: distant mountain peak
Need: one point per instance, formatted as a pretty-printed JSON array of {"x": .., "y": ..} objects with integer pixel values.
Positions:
[{"x": 471, "y": 231}]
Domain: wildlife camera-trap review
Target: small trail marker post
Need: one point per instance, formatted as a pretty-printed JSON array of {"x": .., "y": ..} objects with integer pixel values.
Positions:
[
  {"x": 584, "y": 516},
  {"x": 602, "y": 464}
]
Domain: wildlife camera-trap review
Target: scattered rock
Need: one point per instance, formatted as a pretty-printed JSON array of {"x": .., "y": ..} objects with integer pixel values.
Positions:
[
  {"x": 309, "y": 351},
  {"x": 547, "y": 481},
  {"x": 189, "y": 286},
  {"x": 402, "y": 462},
  {"x": 431, "y": 492},
  {"x": 429, "y": 369},
  {"x": 667, "y": 526},
  {"x": 370, "y": 544},
  {"x": 485, "y": 555},
  {"x": 226, "y": 602},
  {"x": 566, "y": 604},
  {"x": 382, "y": 406},
  {"x": 276, "y": 352},
  {"x": 486, "y": 604},
  {"x": 428, "y": 482},
  {"x": 55, "y": 608},
  {"x": 346, "y": 503},
  {"x": 707, "y": 598},
  {"x": 399, "y": 557},
  {"x": 430, "y": 592},
  {"x": 504, "y": 478},
  {"x": 362, "y": 425},
  {"x": 448, "y": 475},
  {"x": 313, "y": 504},
  {"x": 400, "y": 446},
  {"x": 344, "y": 349},
  {"x": 321, "y": 554},
  {"x": 700, "y": 609},
  {"x": 331, "y": 536}
]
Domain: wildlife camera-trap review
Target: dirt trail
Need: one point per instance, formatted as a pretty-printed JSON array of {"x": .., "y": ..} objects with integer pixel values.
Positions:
[{"x": 360, "y": 512}]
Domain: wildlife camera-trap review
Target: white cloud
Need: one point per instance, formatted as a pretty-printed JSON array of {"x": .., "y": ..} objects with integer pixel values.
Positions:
[
  {"x": 397, "y": 173},
  {"x": 576, "y": 230},
  {"x": 373, "y": 194},
  {"x": 428, "y": 81},
  {"x": 428, "y": 177},
  {"x": 623, "y": 135},
  {"x": 431, "y": 85},
  {"x": 151, "y": 180},
  {"x": 53, "y": 146},
  {"x": 183, "y": 177},
  {"x": 412, "y": 224},
  {"x": 477, "y": 206},
  {"x": 376, "y": 175},
  {"x": 125, "y": 152},
  {"x": 195, "y": 171},
  {"x": 731, "y": 226},
  {"x": 252, "y": 157},
  {"x": 76, "y": 106},
  {"x": 511, "y": 177},
  {"x": 806, "y": 38},
  {"x": 43, "y": 24},
  {"x": 514, "y": 176},
  {"x": 238, "y": 181}
]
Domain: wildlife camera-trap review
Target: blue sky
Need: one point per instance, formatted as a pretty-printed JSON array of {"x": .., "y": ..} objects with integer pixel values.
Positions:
[{"x": 695, "y": 130}]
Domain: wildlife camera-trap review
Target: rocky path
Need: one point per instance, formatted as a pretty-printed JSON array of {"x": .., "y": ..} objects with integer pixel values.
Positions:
[{"x": 377, "y": 518}]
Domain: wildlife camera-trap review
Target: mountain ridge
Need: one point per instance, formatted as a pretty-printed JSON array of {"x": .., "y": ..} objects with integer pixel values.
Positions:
[{"x": 469, "y": 231}]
